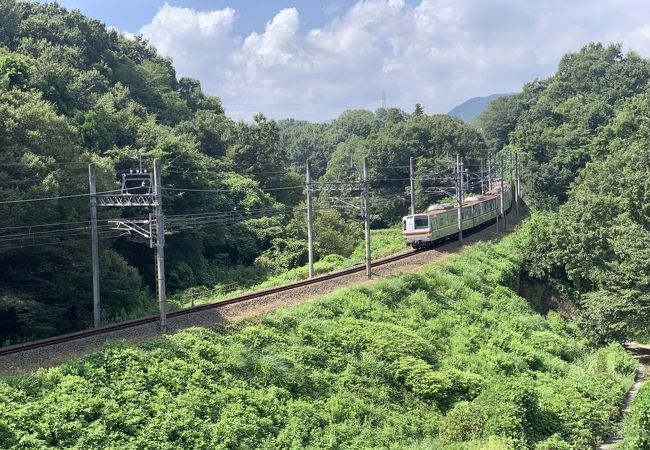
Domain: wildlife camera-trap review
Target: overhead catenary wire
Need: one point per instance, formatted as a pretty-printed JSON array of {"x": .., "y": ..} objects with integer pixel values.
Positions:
[
  {"x": 39, "y": 225},
  {"x": 48, "y": 234},
  {"x": 46, "y": 163},
  {"x": 197, "y": 219},
  {"x": 212, "y": 172},
  {"x": 63, "y": 240},
  {"x": 41, "y": 199},
  {"x": 231, "y": 189}
]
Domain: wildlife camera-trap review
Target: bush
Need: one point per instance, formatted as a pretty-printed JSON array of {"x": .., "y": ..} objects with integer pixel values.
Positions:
[
  {"x": 447, "y": 357},
  {"x": 636, "y": 427}
]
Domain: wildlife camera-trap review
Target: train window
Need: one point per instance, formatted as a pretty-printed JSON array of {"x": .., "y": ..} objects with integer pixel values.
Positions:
[
  {"x": 404, "y": 224},
  {"x": 421, "y": 222}
]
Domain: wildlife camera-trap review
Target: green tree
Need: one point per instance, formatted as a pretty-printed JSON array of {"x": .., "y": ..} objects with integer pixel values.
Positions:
[
  {"x": 255, "y": 150},
  {"x": 499, "y": 120},
  {"x": 190, "y": 90},
  {"x": 563, "y": 114},
  {"x": 14, "y": 71},
  {"x": 211, "y": 131}
]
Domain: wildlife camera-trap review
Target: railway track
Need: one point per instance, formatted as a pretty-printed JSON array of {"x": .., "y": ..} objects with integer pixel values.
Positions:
[{"x": 48, "y": 342}]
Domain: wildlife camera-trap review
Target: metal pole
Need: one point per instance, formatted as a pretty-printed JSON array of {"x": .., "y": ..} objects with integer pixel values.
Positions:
[
  {"x": 482, "y": 179},
  {"x": 517, "y": 182},
  {"x": 412, "y": 177},
  {"x": 310, "y": 221},
  {"x": 366, "y": 215},
  {"x": 459, "y": 196},
  {"x": 503, "y": 213},
  {"x": 511, "y": 176},
  {"x": 489, "y": 173},
  {"x": 94, "y": 244},
  {"x": 160, "y": 245},
  {"x": 517, "y": 176}
]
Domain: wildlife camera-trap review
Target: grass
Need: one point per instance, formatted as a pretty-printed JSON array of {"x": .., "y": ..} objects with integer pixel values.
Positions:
[
  {"x": 448, "y": 357},
  {"x": 382, "y": 243},
  {"x": 636, "y": 426}
]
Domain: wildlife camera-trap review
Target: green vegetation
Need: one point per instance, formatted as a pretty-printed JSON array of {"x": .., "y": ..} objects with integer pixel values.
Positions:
[
  {"x": 636, "y": 426},
  {"x": 448, "y": 357},
  {"x": 583, "y": 138},
  {"x": 382, "y": 243}
]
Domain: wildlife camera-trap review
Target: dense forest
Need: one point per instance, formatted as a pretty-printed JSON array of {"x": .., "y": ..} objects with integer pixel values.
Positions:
[{"x": 583, "y": 135}]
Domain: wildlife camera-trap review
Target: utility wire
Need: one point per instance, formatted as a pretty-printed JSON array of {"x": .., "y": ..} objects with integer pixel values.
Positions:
[
  {"x": 39, "y": 225},
  {"x": 231, "y": 190},
  {"x": 49, "y": 234},
  {"x": 212, "y": 172},
  {"x": 46, "y": 163},
  {"x": 63, "y": 240},
  {"x": 28, "y": 200}
]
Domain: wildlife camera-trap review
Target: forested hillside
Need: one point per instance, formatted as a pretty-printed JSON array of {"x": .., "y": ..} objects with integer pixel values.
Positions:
[
  {"x": 74, "y": 92},
  {"x": 584, "y": 137}
]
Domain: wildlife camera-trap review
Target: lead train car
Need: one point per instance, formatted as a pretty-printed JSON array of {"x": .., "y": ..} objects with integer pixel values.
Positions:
[{"x": 440, "y": 221}]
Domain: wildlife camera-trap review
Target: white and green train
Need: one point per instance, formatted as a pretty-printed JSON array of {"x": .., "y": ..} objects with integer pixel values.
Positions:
[{"x": 441, "y": 221}]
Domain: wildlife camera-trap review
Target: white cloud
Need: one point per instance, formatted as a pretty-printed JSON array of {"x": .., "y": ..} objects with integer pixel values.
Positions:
[
  {"x": 438, "y": 53},
  {"x": 278, "y": 44},
  {"x": 198, "y": 42}
]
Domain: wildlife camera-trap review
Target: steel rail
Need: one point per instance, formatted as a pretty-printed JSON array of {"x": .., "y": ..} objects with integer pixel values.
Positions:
[{"x": 48, "y": 342}]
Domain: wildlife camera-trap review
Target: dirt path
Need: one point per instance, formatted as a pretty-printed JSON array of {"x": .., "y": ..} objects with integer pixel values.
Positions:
[{"x": 642, "y": 353}]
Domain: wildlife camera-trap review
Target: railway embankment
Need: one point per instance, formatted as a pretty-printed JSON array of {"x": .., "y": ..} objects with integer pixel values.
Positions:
[
  {"x": 52, "y": 355},
  {"x": 446, "y": 356}
]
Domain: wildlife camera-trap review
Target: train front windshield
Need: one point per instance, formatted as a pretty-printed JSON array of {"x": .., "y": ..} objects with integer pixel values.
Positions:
[
  {"x": 412, "y": 223},
  {"x": 421, "y": 222}
]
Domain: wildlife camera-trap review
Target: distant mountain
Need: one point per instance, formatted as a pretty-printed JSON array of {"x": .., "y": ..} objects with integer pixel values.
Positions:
[{"x": 471, "y": 108}]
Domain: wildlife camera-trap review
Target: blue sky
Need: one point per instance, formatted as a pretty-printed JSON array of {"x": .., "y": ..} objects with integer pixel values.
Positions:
[
  {"x": 131, "y": 15},
  {"x": 312, "y": 60}
]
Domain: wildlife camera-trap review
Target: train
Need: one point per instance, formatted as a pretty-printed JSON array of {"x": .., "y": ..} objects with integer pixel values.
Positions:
[{"x": 440, "y": 221}]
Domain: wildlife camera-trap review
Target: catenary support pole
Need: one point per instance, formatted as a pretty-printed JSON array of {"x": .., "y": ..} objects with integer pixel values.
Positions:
[
  {"x": 94, "y": 245},
  {"x": 310, "y": 221},
  {"x": 489, "y": 173},
  {"x": 517, "y": 176},
  {"x": 513, "y": 184},
  {"x": 412, "y": 179},
  {"x": 160, "y": 245},
  {"x": 366, "y": 215},
  {"x": 503, "y": 213},
  {"x": 459, "y": 196},
  {"x": 482, "y": 179}
]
